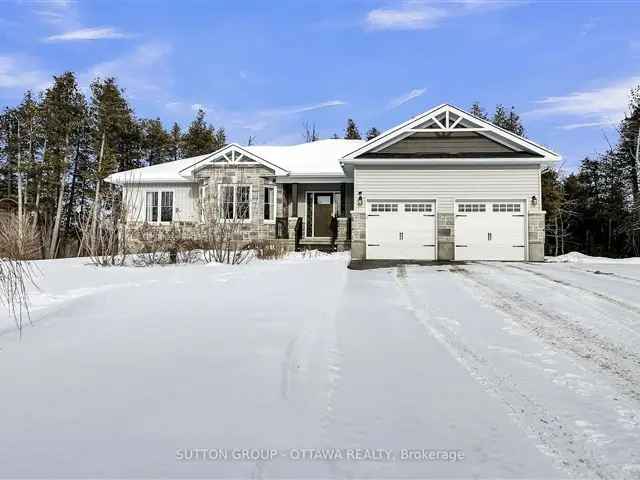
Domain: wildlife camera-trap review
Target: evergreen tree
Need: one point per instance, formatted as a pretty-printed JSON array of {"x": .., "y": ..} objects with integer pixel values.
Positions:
[
  {"x": 372, "y": 133},
  {"x": 65, "y": 115},
  {"x": 175, "y": 143},
  {"x": 477, "y": 111},
  {"x": 156, "y": 142},
  {"x": 351, "y": 132},
  {"x": 201, "y": 137},
  {"x": 509, "y": 121}
]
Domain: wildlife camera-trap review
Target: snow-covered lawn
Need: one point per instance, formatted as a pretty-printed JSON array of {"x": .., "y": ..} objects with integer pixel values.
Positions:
[{"x": 520, "y": 370}]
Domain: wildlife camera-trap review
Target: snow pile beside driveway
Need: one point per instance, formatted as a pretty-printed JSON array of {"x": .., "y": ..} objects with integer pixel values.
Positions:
[
  {"x": 301, "y": 368},
  {"x": 577, "y": 257}
]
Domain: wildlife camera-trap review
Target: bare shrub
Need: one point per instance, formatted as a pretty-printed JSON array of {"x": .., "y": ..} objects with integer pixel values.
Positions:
[
  {"x": 225, "y": 212},
  {"x": 269, "y": 249},
  {"x": 19, "y": 241},
  {"x": 19, "y": 238},
  {"x": 102, "y": 229},
  {"x": 154, "y": 246}
]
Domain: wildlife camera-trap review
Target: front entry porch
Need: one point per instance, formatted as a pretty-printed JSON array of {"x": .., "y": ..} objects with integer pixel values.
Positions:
[{"x": 318, "y": 215}]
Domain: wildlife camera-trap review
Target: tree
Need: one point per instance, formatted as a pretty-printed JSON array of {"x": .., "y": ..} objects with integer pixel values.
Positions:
[
  {"x": 509, "y": 121},
  {"x": 351, "y": 132},
  {"x": 201, "y": 137},
  {"x": 175, "y": 142},
  {"x": 156, "y": 142},
  {"x": 65, "y": 111},
  {"x": 477, "y": 111},
  {"x": 373, "y": 132},
  {"x": 309, "y": 132}
]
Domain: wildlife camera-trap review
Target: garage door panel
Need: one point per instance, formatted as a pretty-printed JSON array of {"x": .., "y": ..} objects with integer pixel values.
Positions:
[
  {"x": 401, "y": 230},
  {"x": 487, "y": 230}
]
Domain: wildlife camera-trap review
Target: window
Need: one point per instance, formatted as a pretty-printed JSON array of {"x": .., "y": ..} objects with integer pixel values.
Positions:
[
  {"x": 159, "y": 206},
  {"x": 152, "y": 207},
  {"x": 166, "y": 207},
  {"x": 269, "y": 203},
  {"x": 235, "y": 202},
  {"x": 506, "y": 207},
  {"x": 418, "y": 207},
  {"x": 243, "y": 199},
  {"x": 204, "y": 202},
  {"x": 384, "y": 207},
  {"x": 472, "y": 207}
]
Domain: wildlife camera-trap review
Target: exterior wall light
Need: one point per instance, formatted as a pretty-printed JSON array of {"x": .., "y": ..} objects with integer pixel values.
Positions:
[
  {"x": 534, "y": 201},
  {"x": 359, "y": 199}
]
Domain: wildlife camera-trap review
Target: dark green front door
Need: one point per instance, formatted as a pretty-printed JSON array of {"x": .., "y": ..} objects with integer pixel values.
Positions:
[{"x": 322, "y": 214}]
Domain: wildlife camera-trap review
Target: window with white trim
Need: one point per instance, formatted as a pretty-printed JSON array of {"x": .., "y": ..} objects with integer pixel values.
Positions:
[
  {"x": 159, "y": 206},
  {"x": 235, "y": 202},
  {"x": 204, "y": 201},
  {"x": 418, "y": 207},
  {"x": 507, "y": 207},
  {"x": 384, "y": 207},
  {"x": 472, "y": 207},
  {"x": 269, "y": 204}
]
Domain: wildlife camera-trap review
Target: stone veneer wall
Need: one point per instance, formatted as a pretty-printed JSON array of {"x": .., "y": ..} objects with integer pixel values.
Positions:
[
  {"x": 358, "y": 235},
  {"x": 536, "y": 236},
  {"x": 445, "y": 226}
]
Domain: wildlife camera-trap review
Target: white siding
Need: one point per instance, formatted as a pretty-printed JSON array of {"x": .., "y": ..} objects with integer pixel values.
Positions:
[
  {"x": 448, "y": 183},
  {"x": 185, "y": 196}
]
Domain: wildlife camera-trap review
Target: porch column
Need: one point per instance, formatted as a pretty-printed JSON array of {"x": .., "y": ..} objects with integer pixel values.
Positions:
[{"x": 294, "y": 199}]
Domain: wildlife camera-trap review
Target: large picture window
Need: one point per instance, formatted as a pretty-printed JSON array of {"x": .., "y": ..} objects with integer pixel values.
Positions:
[
  {"x": 269, "y": 204},
  {"x": 235, "y": 202},
  {"x": 159, "y": 206}
]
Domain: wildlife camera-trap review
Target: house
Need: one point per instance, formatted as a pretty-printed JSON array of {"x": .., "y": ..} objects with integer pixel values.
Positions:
[{"x": 443, "y": 185}]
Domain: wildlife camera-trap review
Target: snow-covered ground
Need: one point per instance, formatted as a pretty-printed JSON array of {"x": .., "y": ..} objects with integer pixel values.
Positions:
[{"x": 501, "y": 369}]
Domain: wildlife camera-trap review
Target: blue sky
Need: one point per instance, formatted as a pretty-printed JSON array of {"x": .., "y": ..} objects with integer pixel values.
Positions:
[{"x": 263, "y": 68}]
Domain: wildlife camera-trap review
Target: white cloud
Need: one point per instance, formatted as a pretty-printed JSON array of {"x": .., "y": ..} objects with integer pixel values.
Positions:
[
  {"x": 16, "y": 72},
  {"x": 143, "y": 72},
  {"x": 402, "y": 99},
  {"x": 424, "y": 14},
  {"x": 294, "y": 110},
  {"x": 601, "y": 106},
  {"x": 198, "y": 106},
  {"x": 409, "y": 17},
  {"x": 83, "y": 34}
]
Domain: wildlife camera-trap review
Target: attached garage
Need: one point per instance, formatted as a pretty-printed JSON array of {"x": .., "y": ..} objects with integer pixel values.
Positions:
[
  {"x": 490, "y": 230},
  {"x": 400, "y": 230},
  {"x": 480, "y": 186}
]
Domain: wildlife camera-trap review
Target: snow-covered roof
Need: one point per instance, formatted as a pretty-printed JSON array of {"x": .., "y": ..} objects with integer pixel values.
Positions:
[
  {"x": 315, "y": 158},
  {"x": 161, "y": 173}
]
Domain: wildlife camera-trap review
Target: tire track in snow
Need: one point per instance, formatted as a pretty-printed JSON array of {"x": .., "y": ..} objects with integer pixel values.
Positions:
[
  {"x": 616, "y": 362},
  {"x": 620, "y": 303},
  {"x": 552, "y": 435}
]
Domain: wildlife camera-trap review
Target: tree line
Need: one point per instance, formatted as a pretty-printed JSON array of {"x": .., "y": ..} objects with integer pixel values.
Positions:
[{"x": 58, "y": 145}]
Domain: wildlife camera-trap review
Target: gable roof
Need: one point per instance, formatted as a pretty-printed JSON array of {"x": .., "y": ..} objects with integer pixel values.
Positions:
[
  {"x": 447, "y": 119},
  {"x": 316, "y": 158}
]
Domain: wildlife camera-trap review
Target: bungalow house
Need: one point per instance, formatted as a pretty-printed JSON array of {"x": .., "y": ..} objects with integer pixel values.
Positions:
[{"x": 443, "y": 185}]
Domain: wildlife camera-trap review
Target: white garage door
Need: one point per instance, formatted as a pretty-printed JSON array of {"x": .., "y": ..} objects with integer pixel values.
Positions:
[
  {"x": 489, "y": 230},
  {"x": 401, "y": 230}
]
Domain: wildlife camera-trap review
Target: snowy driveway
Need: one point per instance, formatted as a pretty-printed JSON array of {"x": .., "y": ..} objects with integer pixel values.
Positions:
[{"x": 522, "y": 370}]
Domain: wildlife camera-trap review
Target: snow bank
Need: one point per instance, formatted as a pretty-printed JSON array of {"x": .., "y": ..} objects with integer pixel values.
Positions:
[{"x": 577, "y": 257}]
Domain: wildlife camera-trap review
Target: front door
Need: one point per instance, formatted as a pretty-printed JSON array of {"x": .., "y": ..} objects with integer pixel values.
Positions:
[{"x": 322, "y": 214}]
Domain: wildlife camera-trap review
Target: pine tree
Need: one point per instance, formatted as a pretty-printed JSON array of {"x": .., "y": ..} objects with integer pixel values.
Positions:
[
  {"x": 351, "y": 132},
  {"x": 65, "y": 112},
  {"x": 509, "y": 121},
  {"x": 175, "y": 143},
  {"x": 201, "y": 137},
  {"x": 156, "y": 142},
  {"x": 373, "y": 132},
  {"x": 478, "y": 112}
]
